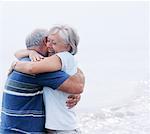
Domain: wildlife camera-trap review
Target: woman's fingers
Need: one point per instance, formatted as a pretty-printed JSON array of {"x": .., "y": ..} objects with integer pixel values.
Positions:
[{"x": 34, "y": 56}]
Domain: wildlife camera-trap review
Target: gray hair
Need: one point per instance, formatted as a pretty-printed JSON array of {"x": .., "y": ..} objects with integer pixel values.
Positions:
[
  {"x": 36, "y": 38},
  {"x": 68, "y": 35}
]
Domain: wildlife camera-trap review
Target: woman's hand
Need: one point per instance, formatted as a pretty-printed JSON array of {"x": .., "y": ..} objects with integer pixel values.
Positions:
[
  {"x": 12, "y": 67},
  {"x": 35, "y": 56}
]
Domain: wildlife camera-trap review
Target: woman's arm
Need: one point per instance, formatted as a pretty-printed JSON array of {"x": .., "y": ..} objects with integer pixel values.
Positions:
[
  {"x": 48, "y": 64},
  {"x": 22, "y": 53},
  {"x": 33, "y": 55}
]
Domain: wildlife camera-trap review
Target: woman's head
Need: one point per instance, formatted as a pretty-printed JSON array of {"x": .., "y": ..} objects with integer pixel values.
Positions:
[{"x": 63, "y": 38}]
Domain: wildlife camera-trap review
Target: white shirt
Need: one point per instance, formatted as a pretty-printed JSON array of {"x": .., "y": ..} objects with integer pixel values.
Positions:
[{"x": 58, "y": 116}]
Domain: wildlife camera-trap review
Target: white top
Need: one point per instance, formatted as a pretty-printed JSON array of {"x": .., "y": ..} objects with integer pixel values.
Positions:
[{"x": 58, "y": 116}]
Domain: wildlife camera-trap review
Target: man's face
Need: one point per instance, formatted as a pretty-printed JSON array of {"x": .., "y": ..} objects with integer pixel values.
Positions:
[{"x": 42, "y": 49}]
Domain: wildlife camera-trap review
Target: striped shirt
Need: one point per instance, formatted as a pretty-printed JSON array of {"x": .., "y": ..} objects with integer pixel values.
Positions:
[{"x": 22, "y": 104}]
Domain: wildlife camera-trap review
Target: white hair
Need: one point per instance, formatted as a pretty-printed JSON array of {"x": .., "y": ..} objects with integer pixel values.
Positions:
[
  {"x": 69, "y": 36},
  {"x": 36, "y": 38}
]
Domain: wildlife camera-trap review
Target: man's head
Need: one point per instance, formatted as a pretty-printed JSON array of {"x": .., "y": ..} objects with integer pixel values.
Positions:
[
  {"x": 62, "y": 38},
  {"x": 37, "y": 41}
]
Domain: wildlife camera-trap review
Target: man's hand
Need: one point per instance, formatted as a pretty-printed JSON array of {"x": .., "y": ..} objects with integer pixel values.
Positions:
[{"x": 73, "y": 100}]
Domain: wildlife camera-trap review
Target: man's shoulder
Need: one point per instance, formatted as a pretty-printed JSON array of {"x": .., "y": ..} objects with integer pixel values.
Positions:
[
  {"x": 25, "y": 59},
  {"x": 18, "y": 76}
]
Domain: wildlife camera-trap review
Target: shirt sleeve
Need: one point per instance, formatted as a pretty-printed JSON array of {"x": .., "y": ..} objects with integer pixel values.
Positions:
[
  {"x": 68, "y": 62},
  {"x": 52, "y": 79}
]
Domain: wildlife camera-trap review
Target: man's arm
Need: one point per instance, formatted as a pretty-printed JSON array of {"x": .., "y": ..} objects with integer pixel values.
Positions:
[
  {"x": 61, "y": 81},
  {"x": 74, "y": 84}
]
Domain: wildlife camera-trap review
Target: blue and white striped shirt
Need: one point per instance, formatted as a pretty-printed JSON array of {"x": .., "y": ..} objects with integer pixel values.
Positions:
[{"x": 22, "y": 104}]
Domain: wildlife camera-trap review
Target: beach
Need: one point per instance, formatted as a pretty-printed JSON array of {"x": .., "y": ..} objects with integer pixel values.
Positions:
[{"x": 129, "y": 118}]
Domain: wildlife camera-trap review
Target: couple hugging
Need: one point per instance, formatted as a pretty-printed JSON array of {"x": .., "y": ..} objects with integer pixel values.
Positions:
[{"x": 44, "y": 85}]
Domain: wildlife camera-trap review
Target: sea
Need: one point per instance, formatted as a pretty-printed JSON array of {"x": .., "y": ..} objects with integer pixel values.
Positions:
[{"x": 129, "y": 118}]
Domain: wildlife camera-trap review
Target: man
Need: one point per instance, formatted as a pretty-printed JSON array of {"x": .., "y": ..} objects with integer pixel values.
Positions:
[{"x": 22, "y": 104}]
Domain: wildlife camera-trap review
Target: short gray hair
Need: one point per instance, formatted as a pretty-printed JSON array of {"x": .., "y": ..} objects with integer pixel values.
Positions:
[
  {"x": 36, "y": 38},
  {"x": 69, "y": 36}
]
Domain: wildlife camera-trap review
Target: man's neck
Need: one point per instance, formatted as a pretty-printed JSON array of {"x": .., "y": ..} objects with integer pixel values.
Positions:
[{"x": 39, "y": 50}]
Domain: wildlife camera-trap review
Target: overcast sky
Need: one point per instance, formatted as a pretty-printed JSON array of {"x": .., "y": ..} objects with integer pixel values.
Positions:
[{"x": 113, "y": 49}]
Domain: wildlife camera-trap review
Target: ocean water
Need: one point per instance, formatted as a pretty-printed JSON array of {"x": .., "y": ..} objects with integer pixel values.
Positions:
[{"x": 129, "y": 118}]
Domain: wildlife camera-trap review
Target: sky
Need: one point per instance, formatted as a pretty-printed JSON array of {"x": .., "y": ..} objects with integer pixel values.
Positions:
[{"x": 113, "y": 48}]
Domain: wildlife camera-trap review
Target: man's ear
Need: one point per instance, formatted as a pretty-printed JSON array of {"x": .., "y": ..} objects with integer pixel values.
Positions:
[{"x": 45, "y": 40}]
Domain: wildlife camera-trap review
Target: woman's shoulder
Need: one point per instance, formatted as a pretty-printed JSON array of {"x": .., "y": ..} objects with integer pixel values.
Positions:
[{"x": 65, "y": 54}]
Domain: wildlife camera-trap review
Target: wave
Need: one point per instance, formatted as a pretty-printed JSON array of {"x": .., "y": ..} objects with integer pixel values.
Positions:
[{"x": 130, "y": 118}]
